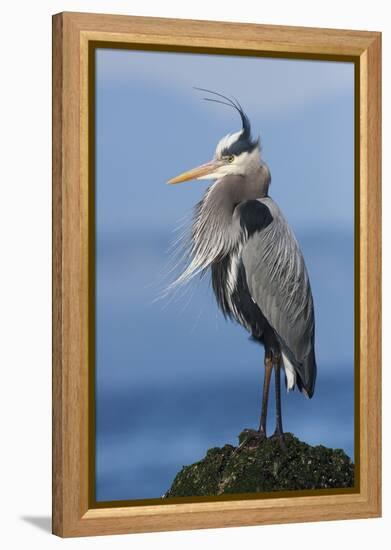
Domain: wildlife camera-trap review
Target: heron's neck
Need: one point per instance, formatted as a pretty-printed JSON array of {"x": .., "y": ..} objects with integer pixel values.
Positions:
[{"x": 215, "y": 230}]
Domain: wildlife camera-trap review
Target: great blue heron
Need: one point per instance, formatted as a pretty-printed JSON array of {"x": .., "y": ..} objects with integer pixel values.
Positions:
[{"x": 258, "y": 271}]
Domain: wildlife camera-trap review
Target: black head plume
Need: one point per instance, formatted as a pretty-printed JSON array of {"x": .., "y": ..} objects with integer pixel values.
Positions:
[{"x": 245, "y": 142}]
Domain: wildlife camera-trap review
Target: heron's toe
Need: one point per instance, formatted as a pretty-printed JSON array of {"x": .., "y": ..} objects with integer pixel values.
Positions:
[
  {"x": 279, "y": 436},
  {"x": 251, "y": 438}
]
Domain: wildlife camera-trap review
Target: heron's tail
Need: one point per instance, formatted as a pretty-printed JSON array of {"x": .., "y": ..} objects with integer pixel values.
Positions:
[{"x": 306, "y": 374}]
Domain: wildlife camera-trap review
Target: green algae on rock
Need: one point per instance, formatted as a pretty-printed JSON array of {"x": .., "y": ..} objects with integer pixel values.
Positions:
[{"x": 264, "y": 467}]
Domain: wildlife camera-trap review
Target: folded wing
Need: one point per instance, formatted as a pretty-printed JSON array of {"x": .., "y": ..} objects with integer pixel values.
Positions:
[{"x": 278, "y": 282}]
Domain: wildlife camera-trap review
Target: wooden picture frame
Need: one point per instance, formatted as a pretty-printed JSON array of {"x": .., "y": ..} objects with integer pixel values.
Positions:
[{"x": 74, "y": 37}]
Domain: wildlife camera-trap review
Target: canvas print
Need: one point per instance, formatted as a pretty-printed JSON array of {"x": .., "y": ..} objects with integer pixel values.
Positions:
[{"x": 225, "y": 276}]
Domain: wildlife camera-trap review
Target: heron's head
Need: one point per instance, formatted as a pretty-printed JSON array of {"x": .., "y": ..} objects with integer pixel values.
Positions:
[{"x": 236, "y": 154}]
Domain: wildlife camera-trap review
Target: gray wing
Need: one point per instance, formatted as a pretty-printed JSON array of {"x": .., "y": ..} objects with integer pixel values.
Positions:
[{"x": 278, "y": 283}]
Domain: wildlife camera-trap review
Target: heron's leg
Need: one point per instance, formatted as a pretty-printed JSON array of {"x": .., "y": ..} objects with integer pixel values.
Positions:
[
  {"x": 265, "y": 394},
  {"x": 255, "y": 436},
  {"x": 277, "y": 370}
]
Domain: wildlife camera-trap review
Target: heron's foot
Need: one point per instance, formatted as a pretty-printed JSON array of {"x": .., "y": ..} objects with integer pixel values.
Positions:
[
  {"x": 280, "y": 437},
  {"x": 250, "y": 439}
]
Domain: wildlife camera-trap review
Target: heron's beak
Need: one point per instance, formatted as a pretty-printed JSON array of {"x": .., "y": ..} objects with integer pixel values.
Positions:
[{"x": 198, "y": 172}]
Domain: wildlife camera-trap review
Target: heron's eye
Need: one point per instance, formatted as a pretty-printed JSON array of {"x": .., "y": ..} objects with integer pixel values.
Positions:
[{"x": 231, "y": 158}]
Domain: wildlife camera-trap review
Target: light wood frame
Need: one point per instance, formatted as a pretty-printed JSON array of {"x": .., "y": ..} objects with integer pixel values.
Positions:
[{"x": 72, "y": 34}]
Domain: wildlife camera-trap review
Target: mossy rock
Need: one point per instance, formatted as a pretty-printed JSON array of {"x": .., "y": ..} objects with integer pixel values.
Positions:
[{"x": 266, "y": 466}]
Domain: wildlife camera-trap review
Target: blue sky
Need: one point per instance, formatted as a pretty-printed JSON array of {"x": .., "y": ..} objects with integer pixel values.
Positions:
[{"x": 173, "y": 378}]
